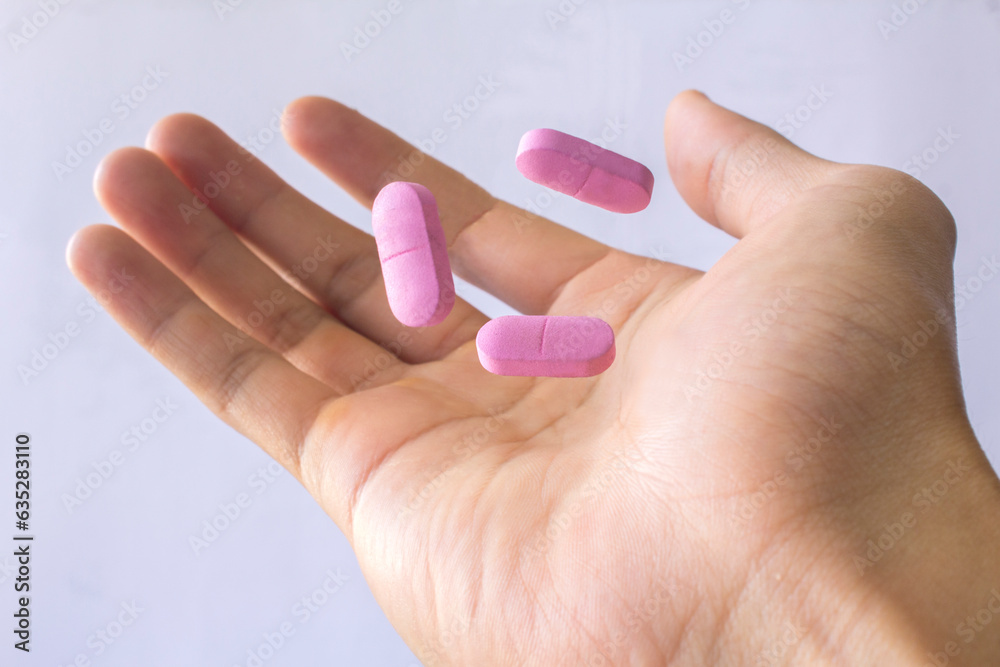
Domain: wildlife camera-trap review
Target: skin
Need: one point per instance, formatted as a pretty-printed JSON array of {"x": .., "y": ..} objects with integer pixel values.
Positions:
[{"x": 708, "y": 500}]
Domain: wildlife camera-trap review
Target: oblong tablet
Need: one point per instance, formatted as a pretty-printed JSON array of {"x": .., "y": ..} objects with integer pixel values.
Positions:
[
  {"x": 584, "y": 170},
  {"x": 413, "y": 253},
  {"x": 546, "y": 346}
]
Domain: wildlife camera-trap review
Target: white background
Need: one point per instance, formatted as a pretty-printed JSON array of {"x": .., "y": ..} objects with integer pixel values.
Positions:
[{"x": 129, "y": 541}]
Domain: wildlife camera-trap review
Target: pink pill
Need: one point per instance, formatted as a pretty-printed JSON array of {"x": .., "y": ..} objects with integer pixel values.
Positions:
[
  {"x": 413, "y": 253},
  {"x": 585, "y": 171},
  {"x": 544, "y": 346}
]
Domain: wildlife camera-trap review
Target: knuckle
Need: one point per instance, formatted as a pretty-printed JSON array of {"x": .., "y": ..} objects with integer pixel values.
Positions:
[{"x": 891, "y": 205}]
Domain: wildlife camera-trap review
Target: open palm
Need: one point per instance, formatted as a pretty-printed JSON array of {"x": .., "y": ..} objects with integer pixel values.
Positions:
[{"x": 637, "y": 517}]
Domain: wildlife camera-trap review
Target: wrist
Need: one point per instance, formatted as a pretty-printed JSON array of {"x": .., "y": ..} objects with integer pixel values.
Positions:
[
  {"x": 946, "y": 574},
  {"x": 907, "y": 575}
]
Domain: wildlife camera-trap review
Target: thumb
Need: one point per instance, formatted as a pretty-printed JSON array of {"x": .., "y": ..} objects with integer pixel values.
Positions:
[{"x": 732, "y": 171}]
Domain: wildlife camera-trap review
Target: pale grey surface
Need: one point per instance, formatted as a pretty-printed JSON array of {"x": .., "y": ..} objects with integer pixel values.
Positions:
[{"x": 129, "y": 540}]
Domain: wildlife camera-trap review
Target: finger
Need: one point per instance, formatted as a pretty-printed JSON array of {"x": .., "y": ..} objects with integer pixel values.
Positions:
[
  {"x": 335, "y": 263},
  {"x": 734, "y": 172},
  {"x": 251, "y": 388},
  {"x": 139, "y": 191},
  {"x": 523, "y": 259}
]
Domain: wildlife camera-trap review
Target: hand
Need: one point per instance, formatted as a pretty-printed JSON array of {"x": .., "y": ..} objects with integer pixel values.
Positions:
[{"x": 707, "y": 500}]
